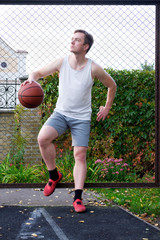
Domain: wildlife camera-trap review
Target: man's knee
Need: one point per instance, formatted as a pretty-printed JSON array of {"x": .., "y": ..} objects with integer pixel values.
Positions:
[
  {"x": 42, "y": 140},
  {"x": 80, "y": 153},
  {"x": 46, "y": 136}
]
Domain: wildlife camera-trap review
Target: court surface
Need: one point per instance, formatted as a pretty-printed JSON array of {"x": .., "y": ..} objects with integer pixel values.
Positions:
[{"x": 26, "y": 214}]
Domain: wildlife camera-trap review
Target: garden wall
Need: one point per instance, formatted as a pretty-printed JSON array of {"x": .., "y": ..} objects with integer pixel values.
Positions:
[
  {"x": 6, "y": 132},
  {"x": 30, "y": 125}
]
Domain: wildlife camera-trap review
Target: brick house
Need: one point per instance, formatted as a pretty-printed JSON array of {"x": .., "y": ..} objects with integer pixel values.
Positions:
[
  {"x": 12, "y": 63},
  {"x": 12, "y": 67}
]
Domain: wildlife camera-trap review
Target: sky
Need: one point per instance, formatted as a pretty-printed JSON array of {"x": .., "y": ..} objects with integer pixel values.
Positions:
[{"x": 124, "y": 36}]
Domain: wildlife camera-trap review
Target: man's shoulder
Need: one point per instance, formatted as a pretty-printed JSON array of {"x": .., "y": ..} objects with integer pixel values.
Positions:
[
  {"x": 95, "y": 65},
  {"x": 96, "y": 68},
  {"x": 59, "y": 62}
]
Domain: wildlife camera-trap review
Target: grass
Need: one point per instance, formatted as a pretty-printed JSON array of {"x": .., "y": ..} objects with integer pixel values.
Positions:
[
  {"x": 13, "y": 169},
  {"x": 142, "y": 202},
  {"x": 65, "y": 165},
  {"x": 21, "y": 173}
]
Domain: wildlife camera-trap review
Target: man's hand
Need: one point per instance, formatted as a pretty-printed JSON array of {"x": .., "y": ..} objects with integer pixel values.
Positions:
[
  {"x": 28, "y": 82},
  {"x": 102, "y": 114}
]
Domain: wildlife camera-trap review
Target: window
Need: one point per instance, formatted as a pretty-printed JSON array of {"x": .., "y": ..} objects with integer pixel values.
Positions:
[{"x": 3, "y": 64}]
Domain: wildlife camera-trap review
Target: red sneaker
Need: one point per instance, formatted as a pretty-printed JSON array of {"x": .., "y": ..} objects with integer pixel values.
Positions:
[
  {"x": 78, "y": 206},
  {"x": 50, "y": 186}
]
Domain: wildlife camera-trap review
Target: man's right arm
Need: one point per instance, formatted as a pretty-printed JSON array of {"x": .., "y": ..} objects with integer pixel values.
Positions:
[{"x": 45, "y": 71}]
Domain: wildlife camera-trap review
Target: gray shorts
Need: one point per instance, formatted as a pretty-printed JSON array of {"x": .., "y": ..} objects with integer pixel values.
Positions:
[{"x": 80, "y": 129}]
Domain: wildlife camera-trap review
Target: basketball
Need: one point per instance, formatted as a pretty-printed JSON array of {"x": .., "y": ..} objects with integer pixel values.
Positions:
[{"x": 31, "y": 95}]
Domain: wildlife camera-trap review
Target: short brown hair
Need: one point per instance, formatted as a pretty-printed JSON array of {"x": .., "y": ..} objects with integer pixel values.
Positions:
[{"x": 88, "y": 39}]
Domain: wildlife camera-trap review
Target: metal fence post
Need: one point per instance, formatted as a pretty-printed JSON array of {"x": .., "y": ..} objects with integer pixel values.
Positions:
[{"x": 157, "y": 91}]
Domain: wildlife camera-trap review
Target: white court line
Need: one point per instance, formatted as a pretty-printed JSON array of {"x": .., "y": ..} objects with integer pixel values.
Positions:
[
  {"x": 25, "y": 231},
  {"x": 58, "y": 231}
]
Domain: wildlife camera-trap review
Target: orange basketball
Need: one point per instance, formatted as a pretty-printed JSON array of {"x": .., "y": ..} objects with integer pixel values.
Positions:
[{"x": 31, "y": 95}]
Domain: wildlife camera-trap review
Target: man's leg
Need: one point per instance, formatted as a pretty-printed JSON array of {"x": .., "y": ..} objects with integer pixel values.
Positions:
[
  {"x": 45, "y": 138},
  {"x": 46, "y": 135},
  {"x": 80, "y": 168},
  {"x": 79, "y": 173}
]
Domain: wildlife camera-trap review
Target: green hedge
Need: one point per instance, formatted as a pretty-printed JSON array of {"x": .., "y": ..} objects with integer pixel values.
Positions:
[
  {"x": 129, "y": 130},
  {"x": 130, "y": 127}
]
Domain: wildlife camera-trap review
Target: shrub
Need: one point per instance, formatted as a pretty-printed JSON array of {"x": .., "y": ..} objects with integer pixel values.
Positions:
[
  {"x": 21, "y": 173},
  {"x": 18, "y": 141},
  {"x": 129, "y": 130},
  {"x": 50, "y": 88},
  {"x": 114, "y": 170},
  {"x": 131, "y": 122}
]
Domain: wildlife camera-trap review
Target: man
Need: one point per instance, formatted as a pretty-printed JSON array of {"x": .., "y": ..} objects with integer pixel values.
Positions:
[{"x": 73, "y": 110}]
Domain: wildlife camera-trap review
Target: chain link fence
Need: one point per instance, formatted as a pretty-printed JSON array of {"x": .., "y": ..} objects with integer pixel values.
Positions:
[
  {"x": 33, "y": 35},
  {"x": 124, "y": 35}
]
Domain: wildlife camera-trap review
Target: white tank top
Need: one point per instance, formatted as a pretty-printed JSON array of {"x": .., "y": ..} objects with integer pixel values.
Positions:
[{"x": 75, "y": 91}]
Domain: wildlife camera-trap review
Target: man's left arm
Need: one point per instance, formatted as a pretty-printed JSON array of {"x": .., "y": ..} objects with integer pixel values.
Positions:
[{"x": 107, "y": 81}]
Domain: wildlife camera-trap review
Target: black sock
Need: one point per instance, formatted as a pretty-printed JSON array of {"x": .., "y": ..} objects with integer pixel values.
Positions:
[
  {"x": 78, "y": 194},
  {"x": 53, "y": 174}
]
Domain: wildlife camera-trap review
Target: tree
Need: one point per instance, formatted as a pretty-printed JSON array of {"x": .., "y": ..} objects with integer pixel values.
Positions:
[{"x": 146, "y": 66}]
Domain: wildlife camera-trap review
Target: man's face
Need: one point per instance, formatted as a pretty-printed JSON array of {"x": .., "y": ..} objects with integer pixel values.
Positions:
[{"x": 77, "y": 43}]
